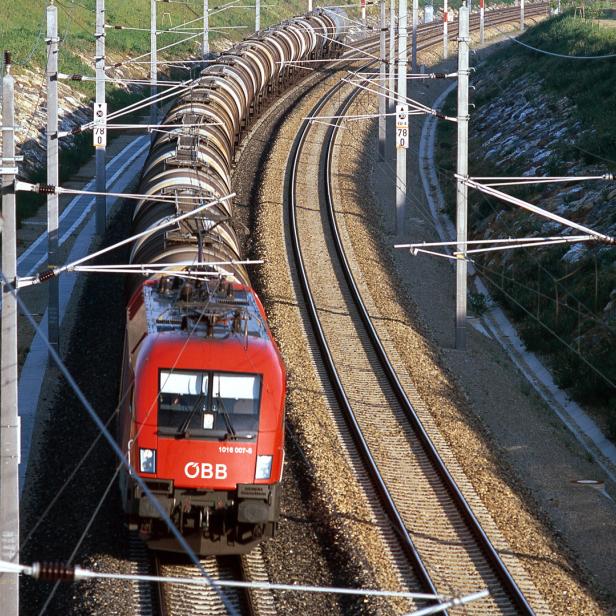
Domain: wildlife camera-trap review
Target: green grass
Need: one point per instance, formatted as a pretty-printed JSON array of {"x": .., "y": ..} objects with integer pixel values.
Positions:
[{"x": 23, "y": 28}]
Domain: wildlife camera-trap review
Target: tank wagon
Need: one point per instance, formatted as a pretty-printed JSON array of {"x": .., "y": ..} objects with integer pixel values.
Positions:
[{"x": 203, "y": 382}]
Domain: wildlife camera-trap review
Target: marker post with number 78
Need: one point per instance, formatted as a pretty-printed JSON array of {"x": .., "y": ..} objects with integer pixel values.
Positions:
[
  {"x": 402, "y": 126},
  {"x": 99, "y": 130}
]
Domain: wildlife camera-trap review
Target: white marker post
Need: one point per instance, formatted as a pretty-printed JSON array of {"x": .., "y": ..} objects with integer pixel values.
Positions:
[
  {"x": 445, "y": 33},
  {"x": 521, "y": 15},
  {"x": 481, "y": 22},
  {"x": 363, "y": 12},
  {"x": 99, "y": 130},
  {"x": 462, "y": 166},
  {"x": 402, "y": 126}
]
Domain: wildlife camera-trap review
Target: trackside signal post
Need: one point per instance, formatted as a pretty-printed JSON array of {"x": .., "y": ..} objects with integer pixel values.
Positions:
[
  {"x": 462, "y": 168},
  {"x": 401, "y": 145},
  {"x": 205, "y": 46},
  {"x": 53, "y": 308},
  {"x": 9, "y": 419},
  {"x": 100, "y": 140}
]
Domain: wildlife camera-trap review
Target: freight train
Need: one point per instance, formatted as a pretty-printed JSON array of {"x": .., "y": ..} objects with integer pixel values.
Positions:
[{"x": 203, "y": 383}]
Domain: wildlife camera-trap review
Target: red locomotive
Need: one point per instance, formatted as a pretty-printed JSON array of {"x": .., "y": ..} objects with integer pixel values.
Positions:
[{"x": 203, "y": 421}]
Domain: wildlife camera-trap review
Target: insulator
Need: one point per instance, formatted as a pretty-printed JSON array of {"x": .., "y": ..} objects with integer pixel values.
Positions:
[
  {"x": 46, "y": 189},
  {"x": 44, "y": 276},
  {"x": 7, "y": 58},
  {"x": 53, "y": 572},
  {"x": 76, "y": 77}
]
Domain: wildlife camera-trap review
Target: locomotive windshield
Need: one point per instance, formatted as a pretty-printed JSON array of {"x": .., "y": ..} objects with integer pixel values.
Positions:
[{"x": 217, "y": 405}]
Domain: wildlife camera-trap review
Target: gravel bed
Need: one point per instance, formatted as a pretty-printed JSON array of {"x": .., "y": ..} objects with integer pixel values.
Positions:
[
  {"x": 65, "y": 433},
  {"x": 550, "y": 565},
  {"x": 343, "y": 506}
]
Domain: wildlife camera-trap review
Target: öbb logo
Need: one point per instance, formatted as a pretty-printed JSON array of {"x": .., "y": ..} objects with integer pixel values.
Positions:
[{"x": 205, "y": 470}]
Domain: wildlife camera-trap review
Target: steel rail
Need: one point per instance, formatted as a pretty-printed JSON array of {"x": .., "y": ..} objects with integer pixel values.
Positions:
[
  {"x": 398, "y": 524},
  {"x": 191, "y": 600},
  {"x": 497, "y": 565}
]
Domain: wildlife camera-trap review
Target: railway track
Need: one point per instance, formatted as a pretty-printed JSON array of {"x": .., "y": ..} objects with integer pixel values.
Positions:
[
  {"x": 176, "y": 599},
  {"x": 437, "y": 530},
  {"x": 190, "y": 600}
]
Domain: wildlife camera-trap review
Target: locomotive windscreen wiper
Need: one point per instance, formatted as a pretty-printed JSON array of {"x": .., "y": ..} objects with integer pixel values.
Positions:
[
  {"x": 230, "y": 430},
  {"x": 183, "y": 429}
]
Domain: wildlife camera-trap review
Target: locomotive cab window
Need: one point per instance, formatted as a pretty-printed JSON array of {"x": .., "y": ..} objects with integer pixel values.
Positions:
[
  {"x": 213, "y": 405},
  {"x": 183, "y": 396}
]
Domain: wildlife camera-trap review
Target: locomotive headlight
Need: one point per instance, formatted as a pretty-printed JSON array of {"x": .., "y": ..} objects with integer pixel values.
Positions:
[
  {"x": 264, "y": 467},
  {"x": 147, "y": 460}
]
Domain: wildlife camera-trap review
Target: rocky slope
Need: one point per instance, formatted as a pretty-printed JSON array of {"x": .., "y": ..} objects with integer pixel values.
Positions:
[{"x": 564, "y": 297}]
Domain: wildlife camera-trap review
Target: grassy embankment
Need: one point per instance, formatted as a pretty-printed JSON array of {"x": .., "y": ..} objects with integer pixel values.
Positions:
[
  {"x": 558, "y": 306},
  {"x": 23, "y": 29}
]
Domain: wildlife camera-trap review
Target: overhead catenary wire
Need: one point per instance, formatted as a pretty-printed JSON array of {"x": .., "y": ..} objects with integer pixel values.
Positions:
[
  {"x": 406, "y": 100},
  {"x": 136, "y": 81},
  {"x": 535, "y": 209},
  {"x": 69, "y": 573},
  {"x": 145, "y": 55},
  {"x": 168, "y": 222},
  {"x": 55, "y": 358},
  {"x": 61, "y": 190},
  {"x": 173, "y": 91},
  {"x": 560, "y": 55},
  {"x": 189, "y": 271}
]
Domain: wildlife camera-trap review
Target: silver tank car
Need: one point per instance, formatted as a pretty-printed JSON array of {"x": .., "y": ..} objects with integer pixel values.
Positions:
[{"x": 192, "y": 164}]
